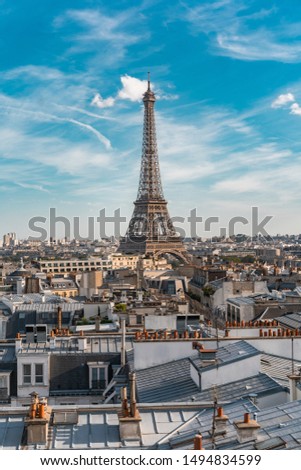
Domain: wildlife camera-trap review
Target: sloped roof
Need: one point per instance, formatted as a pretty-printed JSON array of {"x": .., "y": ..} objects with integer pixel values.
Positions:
[
  {"x": 229, "y": 353},
  {"x": 278, "y": 367}
]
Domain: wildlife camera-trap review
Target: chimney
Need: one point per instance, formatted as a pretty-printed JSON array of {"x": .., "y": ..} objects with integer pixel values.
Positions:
[
  {"x": 81, "y": 341},
  {"x": 52, "y": 340},
  {"x": 41, "y": 331},
  {"x": 207, "y": 356},
  {"x": 37, "y": 421},
  {"x": 133, "y": 404},
  {"x": 295, "y": 386},
  {"x": 18, "y": 342},
  {"x": 123, "y": 342},
  {"x": 221, "y": 421},
  {"x": 30, "y": 333},
  {"x": 247, "y": 429},
  {"x": 129, "y": 417},
  {"x": 140, "y": 296},
  {"x": 59, "y": 318},
  {"x": 198, "y": 442}
]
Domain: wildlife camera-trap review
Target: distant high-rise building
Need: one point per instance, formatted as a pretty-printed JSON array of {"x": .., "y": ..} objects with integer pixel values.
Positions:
[
  {"x": 151, "y": 231},
  {"x": 9, "y": 239}
]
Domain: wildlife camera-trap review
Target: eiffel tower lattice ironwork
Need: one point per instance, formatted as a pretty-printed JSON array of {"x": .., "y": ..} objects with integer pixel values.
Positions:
[{"x": 151, "y": 231}]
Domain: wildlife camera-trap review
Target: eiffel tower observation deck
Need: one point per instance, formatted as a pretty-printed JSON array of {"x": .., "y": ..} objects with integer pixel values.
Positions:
[{"x": 151, "y": 231}]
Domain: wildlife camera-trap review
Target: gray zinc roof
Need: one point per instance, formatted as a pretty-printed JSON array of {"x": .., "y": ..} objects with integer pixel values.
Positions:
[
  {"x": 182, "y": 438},
  {"x": 283, "y": 421},
  {"x": 95, "y": 427},
  {"x": 278, "y": 367},
  {"x": 260, "y": 384},
  {"x": 172, "y": 382},
  {"x": 7, "y": 352},
  {"x": 229, "y": 353},
  {"x": 50, "y": 307},
  {"x": 290, "y": 320},
  {"x": 95, "y": 344},
  {"x": 166, "y": 382}
]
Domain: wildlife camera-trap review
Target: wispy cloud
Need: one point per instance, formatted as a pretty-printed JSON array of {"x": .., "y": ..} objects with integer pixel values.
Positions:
[
  {"x": 32, "y": 186},
  {"x": 118, "y": 31},
  {"x": 45, "y": 117},
  {"x": 87, "y": 113},
  {"x": 40, "y": 72},
  {"x": 235, "y": 31}
]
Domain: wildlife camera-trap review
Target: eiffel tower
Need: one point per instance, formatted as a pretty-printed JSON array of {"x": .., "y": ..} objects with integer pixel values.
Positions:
[{"x": 151, "y": 231}]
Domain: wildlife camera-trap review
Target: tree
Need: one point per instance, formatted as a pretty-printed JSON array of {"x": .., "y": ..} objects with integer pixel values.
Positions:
[
  {"x": 120, "y": 307},
  {"x": 208, "y": 290}
]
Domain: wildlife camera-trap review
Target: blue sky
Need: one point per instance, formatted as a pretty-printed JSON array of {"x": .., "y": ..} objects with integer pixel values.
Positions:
[{"x": 227, "y": 76}]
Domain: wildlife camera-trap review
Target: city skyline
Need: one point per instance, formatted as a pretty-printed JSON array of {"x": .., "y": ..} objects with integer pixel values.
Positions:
[{"x": 226, "y": 78}]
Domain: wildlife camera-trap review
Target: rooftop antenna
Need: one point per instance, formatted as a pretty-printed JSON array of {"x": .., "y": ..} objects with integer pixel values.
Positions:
[
  {"x": 293, "y": 362},
  {"x": 148, "y": 81},
  {"x": 213, "y": 429}
]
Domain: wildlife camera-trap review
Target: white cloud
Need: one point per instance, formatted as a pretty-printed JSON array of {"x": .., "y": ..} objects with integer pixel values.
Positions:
[
  {"x": 282, "y": 100},
  {"x": 285, "y": 99},
  {"x": 101, "y": 103},
  {"x": 132, "y": 88},
  {"x": 295, "y": 109},
  {"x": 244, "y": 184}
]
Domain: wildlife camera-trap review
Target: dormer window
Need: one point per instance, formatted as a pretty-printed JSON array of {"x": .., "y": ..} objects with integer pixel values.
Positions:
[{"x": 98, "y": 375}]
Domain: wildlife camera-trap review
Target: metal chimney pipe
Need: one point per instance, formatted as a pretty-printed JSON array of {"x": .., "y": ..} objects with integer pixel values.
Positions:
[
  {"x": 133, "y": 406},
  {"x": 59, "y": 318},
  {"x": 198, "y": 442}
]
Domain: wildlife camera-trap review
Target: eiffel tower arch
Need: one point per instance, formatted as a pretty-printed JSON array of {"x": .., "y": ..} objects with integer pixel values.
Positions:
[{"x": 151, "y": 231}]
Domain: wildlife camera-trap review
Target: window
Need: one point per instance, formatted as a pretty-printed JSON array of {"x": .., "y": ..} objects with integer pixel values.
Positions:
[
  {"x": 39, "y": 378},
  {"x": 3, "y": 381},
  {"x": 33, "y": 374},
  {"x": 98, "y": 375},
  {"x": 27, "y": 373},
  {"x": 98, "y": 378},
  {"x": 4, "y": 384}
]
